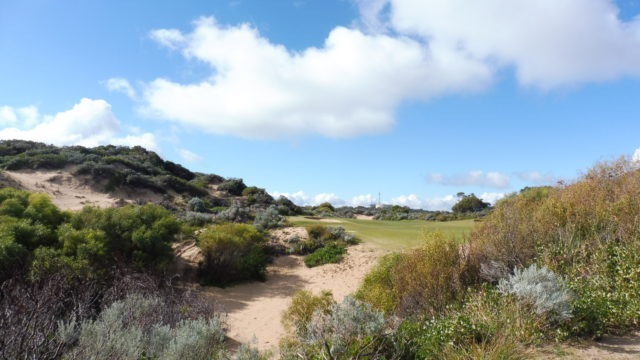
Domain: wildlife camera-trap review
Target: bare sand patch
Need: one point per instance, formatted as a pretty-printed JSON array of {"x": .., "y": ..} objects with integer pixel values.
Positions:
[
  {"x": 608, "y": 347},
  {"x": 254, "y": 309},
  {"x": 70, "y": 192},
  {"x": 364, "y": 217},
  {"x": 336, "y": 221}
]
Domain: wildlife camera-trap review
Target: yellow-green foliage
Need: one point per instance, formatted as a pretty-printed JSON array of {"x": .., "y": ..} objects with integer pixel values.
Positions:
[
  {"x": 421, "y": 281},
  {"x": 429, "y": 278},
  {"x": 588, "y": 231},
  {"x": 38, "y": 239},
  {"x": 487, "y": 325},
  {"x": 232, "y": 252},
  {"x": 302, "y": 307},
  {"x": 378, "y": 286}
]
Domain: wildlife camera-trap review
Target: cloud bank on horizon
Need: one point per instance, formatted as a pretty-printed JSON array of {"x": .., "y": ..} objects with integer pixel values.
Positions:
[{"x": 413, "y": 201}]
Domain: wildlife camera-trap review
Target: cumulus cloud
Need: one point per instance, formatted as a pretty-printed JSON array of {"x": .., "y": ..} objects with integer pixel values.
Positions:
[
  {"x": 349, "y": 86},
  {"x": 413, "y": 201},
  {"x": 88, "y": 123},
  {"x": 472, "y": 178},
  {"x": 10, "y": 116},
  {"x": 189, "y": 156},
  {"x": 492, "y": 197},
  {"x": 636, "y": 155},
  {"x": 122, "y": 85},
  {"x": 302, "y": 199},
  {"x": 537, "y": 178},
  {"x": 549, "y": 42}
]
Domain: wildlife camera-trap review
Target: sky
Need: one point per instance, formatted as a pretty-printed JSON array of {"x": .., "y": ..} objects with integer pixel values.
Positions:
[{"x": 334, "y": 100}]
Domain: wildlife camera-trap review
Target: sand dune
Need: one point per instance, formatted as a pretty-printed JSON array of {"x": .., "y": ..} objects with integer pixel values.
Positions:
[{"x": 254, "y": 309}]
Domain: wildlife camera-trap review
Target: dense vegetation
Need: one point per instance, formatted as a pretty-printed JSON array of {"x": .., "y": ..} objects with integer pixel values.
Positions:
[
  {"x": 94, "y": 283},
  {"x": 549, "y": 264},
  {"x": 232, "y": 252},
  {"x": 396, "y": 212}
]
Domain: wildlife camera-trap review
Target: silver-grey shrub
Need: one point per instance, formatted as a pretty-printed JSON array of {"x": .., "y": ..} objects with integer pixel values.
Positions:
[
  {"x": 269, "y": 219},
  {"x": 196, "y": 204},
  {"x": 346, "y": 324},
  {"x": 234, "y": 213},
  {"x": 541, "y": 288},
  {"x": 132, "y": 329}
]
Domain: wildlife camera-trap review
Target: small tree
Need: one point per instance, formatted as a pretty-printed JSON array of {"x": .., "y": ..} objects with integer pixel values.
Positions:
[{"x": 469, "y": 203}]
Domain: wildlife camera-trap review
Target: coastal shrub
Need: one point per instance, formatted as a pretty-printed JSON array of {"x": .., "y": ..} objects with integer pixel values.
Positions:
[
  {"x": 378, "y": 287},
  {"x": 540, "y": 288},
  {"x": 586, "y": 232},
  {"x": 196, "y": 218},
  {"x": 329, "y": 254},
  {"x": 134, "y": 328},
  {"x": 319, "y": 233},
  {"x": 269, "y": 219},
  {"x": 486, "y": 325},
  {"x": 256, "y": 195},
  {"x": 431, "y": 277},
  {"x": 325, "y": 207},
  {"x": 232, "y": 186},
  {"x": 303, "y": 307},
  {"x": 197, "y": 205},
  {"x": 347, "y": 329},
  {"x": 235, "y": 214},
  {"x": 138, "y": 234},
  {"x": 286, "y": 207},
  {"x": 232, "y": 252}
]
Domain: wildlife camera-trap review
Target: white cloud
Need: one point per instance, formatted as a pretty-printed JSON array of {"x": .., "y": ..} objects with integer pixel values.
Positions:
[
  {"x": 189, "y": 156},
  {"x": 363, "y": 200},
  {"x": 636, "y": 155},
  {"x": 24, "y": 116},
  {"x": 537, "y": 178},
  {"x": 472, "y": 178},
  {"x": 549, "y": 42},
  {"x": 492, "y": 197},
  {"x": 413, "y": 201},
  {"x": 350, "y": 86},
  {"x": 88, "y": 123},
  {"x": 302, "y": 199},
  {"x": 118, "y": 84}
]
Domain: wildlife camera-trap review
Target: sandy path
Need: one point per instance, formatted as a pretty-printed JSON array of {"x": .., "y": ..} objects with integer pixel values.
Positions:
[
  {"x": 254, "y": 309},
  {"x": 609, "y": 347}
]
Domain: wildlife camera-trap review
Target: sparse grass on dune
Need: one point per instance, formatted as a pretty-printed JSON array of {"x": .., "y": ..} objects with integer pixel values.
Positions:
[{"x": 392, "y": 235}]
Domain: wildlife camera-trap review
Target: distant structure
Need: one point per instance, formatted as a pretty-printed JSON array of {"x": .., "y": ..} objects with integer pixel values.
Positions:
[{"x": 379, "y": 204}]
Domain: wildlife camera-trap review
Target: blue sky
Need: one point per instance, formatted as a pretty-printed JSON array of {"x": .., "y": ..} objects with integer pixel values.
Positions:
[{"x": 334, "y": 100}]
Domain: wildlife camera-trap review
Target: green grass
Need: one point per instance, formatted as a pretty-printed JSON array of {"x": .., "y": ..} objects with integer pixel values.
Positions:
[{"x": 391, "y": 235}]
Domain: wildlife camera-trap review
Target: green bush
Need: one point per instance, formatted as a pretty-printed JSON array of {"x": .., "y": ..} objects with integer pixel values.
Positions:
[
  {"x": 303, "y": 305},
  {"x": 378, "y": 288},
  {"x": 586, "y": 232},
  {"x": 329, "y": 254},
  {"x": 232, "y": 186},
  {"x": 232, "y": 252}
]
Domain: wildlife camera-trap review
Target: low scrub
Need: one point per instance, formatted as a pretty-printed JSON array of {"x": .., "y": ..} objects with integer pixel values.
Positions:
[
  {"x": 139, "y": 327},
  {"x": 329, "y": 254},
  {"x": 347, "y": 330},
  {"x": 232, "y": 253}
]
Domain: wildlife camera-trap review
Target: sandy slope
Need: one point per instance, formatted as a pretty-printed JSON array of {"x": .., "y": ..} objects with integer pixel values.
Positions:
[
  {"x": 609, "y": 347},
  {"x": 254, "y": 309},
  {"x": 70, "y": 192}
]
